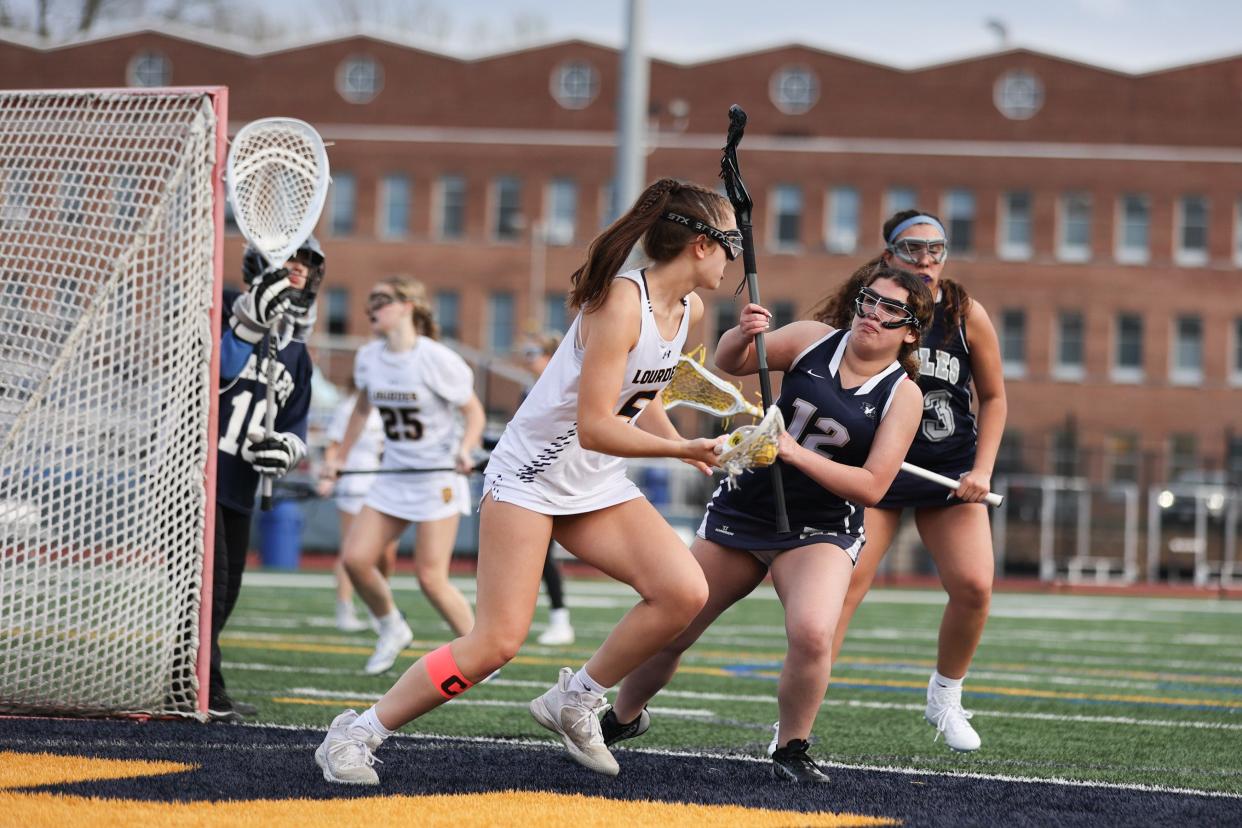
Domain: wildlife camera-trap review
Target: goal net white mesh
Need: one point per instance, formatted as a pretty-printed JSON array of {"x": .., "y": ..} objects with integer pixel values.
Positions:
[{"x": 107, "y": 283}]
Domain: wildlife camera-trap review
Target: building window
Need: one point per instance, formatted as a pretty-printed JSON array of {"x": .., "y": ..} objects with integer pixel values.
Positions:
[
  {"x": 149, "y": 69},
  {"x": 787, "y": 215},
  {"x": 1133, "y": 218},
  {"x": 1192, "y": 229},
  {"x": 555, "y": 314},
  {"x": 897, "y": 199},
  {"x": 1183, "y": 455},
  {"x": 500, "y": 322},
  {"x": 69, "y": 197},
  {"x": 1187, "y": 361},
  {"x": 794, "y": 89},
  {"x": 15, "y": 187},
  {"x": 1123, "y": 457},
  {"x": 1128, "y": 348},
  {"x": 1237, "y": 232},
  {"x": 575, "y": 84},
  {"x": 1015, "y": 226},
  {"x": 1070, "y": 363},
  {"x": 841, "y": 232},
  {"x": 959, "y": 214},
  {"x": 1009, "y": 458},
  {"x": 395, "y": 206},
  {"x": 448, "y": 313},
  {"x": 561, "y": 211},
  {"x": 336, "y": 309},
  {"x": 782, "y": 313},
  {"x": 1074, "y": 228},
  {"x": 451, "y": 203},
  {"x": 507, "y": 208},
  {"x": 1018, "y": 95},
  {"x": 1235, "y": 367},
  {"x": 1013, "y": 342},
  {"x": 342, "y": 195},
  {"x": 1065, "y": 451},
  {"x": 359, "y": 79}
]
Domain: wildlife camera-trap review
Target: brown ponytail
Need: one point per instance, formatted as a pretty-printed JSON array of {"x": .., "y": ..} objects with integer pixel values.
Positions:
[
  {"x": 661, "y": 240},
  {"x": 408, "y": 289}
]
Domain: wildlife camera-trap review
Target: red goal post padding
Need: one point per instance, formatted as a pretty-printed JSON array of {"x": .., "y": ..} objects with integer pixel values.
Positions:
[{"x": 111, "y": 240}]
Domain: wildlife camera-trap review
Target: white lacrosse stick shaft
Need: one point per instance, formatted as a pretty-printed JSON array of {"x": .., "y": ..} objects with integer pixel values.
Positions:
[{"x": 992, "y": 499}]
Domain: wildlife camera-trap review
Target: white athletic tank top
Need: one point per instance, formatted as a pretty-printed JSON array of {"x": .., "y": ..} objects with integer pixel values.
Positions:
[
  {"x": 417, "y": 393},
  {"x": 539, "y": 450}
]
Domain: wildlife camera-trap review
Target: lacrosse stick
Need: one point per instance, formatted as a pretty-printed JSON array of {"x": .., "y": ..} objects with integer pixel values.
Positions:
[
  {"x": 694, "y": 386},
  {"x": 477, "y": 467},
  {"x": 992, "y": 499},
  {"x": 751, "y": 447},
  {"x": 277, "y": 177},
  {"x": 742, "y": 204}
]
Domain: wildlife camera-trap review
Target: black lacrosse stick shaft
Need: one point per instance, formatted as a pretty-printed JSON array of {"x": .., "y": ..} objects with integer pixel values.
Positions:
[{"x": 742, "y": 205}]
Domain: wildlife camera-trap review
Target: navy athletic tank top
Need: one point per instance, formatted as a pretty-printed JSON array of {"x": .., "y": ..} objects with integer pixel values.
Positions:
[{"x": 947, "y": 434}]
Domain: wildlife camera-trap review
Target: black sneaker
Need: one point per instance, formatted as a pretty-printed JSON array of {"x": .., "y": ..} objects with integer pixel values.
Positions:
[
  {"x": 220, "y": 709},
  {"x": 244, "y": 708},
  {"x": 615, "y": 731},
  {"x": 793, "y": 765}
]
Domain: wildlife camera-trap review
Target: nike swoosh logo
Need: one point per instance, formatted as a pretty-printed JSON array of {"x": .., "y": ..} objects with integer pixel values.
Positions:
[{"x": 812, "y": 373}]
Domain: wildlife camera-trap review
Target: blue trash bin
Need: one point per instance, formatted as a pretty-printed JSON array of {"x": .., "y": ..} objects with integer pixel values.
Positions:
[
  {"x": 280, "y": 535},
  {"x": 654, "y": 482}
]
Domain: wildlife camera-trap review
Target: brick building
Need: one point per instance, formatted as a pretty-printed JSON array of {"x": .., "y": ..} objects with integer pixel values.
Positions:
[{"x": 1096, "y": 215}]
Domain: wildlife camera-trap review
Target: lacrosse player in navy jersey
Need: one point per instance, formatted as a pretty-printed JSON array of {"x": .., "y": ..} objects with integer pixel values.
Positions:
[
  {"x": 959, "y": 349},
  {"x": 277, "y": 305},
  {"x": 851, "y": 414}
]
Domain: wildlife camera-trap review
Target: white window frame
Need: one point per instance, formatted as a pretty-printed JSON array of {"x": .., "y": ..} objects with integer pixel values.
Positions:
[
  {"x": 339, "y": 180},
  {"x": 556, "y": 232},
  {"x": 438, "y": 207},
  {"x": 1009, "y": 368},
  {"x": 947, "y": 216},
  {"x": 1018, "y": 94},
  {"x": 1130, "y": 255},
  {"x": 1067, "y": 252},
  {"x": 831, "y": 213},
  {"x": 1235, "y": 341},
  {"x": 890, "y": 207},
  {"x": 571, "y": 97},
  {"x": 777, "y": 89},
  {"x": 774, "y": 215},
  {"x": 140, "y": 65},
  {"x": 1237, "y": 231},
  {"x": 1126, "y": 374},
  {"x": 1183, "y": 256},
  {"x": 1015, "y": 251},
  {"x": 1063, "y": 372},
  {"x": 345, "y": 79},
  {"x": 382, "y": 213},
  {"x": 1177, "y": 374},
  {"x": 493, "y": 211}
]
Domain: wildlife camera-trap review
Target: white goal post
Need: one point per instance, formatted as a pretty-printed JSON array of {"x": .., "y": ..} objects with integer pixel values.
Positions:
[{"x": 111, "y": 234}]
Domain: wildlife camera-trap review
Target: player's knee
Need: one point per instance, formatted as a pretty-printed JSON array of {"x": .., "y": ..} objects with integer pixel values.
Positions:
[
  {"x": 811, "y": 641},
  {"x": 686, "y": 597},
  {"x": 431, "y": 581},
  {"x": 973, "y": 593}
]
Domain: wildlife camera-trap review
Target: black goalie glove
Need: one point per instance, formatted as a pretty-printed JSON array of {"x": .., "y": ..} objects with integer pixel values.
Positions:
[
  {"x": 273, "y": 456},
  {"x": 256, "y": 310}
]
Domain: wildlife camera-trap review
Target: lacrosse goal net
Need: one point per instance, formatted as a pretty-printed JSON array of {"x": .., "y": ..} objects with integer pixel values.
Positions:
[{"x": 111, "y": 218}]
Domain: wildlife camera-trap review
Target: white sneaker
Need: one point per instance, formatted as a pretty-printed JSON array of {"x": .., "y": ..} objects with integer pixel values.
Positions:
[
  {"x": 559, "y": 632},
  {"x": 347, "y": 753},
  {"x": 346, "y": 621},
  {"x": 393, "y": 639},
  {"x": 944, "y": 712},
  {"x": 776, "y": 734},
  {"x": 574, "y": 716}
]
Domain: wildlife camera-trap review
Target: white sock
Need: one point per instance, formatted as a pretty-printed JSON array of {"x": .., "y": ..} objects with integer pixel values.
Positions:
[
  {"x": 583, "y": 683},
  {"x": 372, "y": 723},
  {"x": 558, "y": 618},
  {"x": 390, "y": 620},
  {"x": 938, "y": 680},
  {"x": 345, "y": 607}
]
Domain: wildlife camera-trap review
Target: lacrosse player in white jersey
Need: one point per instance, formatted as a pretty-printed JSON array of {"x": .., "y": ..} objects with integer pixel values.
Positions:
[
  {"x": 417, "y": 385},
  {"x": 558, "y": 472}
]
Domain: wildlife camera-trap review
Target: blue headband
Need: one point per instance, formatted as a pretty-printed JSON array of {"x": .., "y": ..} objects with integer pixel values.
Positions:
[{"x": 910, "y": 222}]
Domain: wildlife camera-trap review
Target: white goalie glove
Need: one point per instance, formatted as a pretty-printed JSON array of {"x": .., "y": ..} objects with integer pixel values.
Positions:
[
  {"x": 275, "y": 455},
  {"x": 256, "y": 310}
]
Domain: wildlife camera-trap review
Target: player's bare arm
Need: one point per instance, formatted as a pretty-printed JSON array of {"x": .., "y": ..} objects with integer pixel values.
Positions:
[
  {"x": 735, "y": 353},
  {"x": 989, "y": 379}
]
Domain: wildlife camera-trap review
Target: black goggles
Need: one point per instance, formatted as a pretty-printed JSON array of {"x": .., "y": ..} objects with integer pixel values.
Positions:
[
  {"x": 730, "y": 240},
  {"x": 888, "y": 312},
  {"x": 912, "y": 251},
  {"x": 378, "y": 300}
]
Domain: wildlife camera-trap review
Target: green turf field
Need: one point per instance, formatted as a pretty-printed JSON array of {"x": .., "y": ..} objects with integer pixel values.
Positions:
[{"x": 1107, "y": 689}]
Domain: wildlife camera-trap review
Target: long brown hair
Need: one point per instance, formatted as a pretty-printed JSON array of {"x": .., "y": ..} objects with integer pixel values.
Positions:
[
  {"x": 661, "y": 240},
  {"x": 956, "y": 300},
  {"x": 409, "y": 289},
  {"x": 838, "y": 309}
]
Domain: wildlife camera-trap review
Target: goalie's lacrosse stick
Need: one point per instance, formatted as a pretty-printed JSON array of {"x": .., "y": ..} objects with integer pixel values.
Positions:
[
  {"x": 751, "y": 447},
  {"x": 742, "y": 205},
  {"x": 694, "y": 386},
  {"x": 992, "y": 499},
  {"x": 277, "y": 176}
]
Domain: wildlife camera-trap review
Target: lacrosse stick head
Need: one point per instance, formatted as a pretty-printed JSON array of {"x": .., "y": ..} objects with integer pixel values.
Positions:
[
  {"x": 729, "y": 172},
  {"x": 277, "y": 175},
  {"x": 752, "y": 447},
  {"x": 694, "y": 386}
]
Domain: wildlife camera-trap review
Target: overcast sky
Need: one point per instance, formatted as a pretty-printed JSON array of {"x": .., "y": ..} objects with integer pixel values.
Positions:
[{"x": 1130, "y": 35}]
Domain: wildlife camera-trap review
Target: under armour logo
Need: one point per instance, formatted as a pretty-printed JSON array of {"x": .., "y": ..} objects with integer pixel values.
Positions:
[{"x": 668, "y": 352}]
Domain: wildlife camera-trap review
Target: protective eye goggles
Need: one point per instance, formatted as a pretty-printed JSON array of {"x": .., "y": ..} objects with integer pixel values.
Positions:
[
  {"x": 912, "y": 251},
  {"x": 730, "y": 240},
  {"x": 888, "y": 312},
  {"x": 378, "y": 300}
]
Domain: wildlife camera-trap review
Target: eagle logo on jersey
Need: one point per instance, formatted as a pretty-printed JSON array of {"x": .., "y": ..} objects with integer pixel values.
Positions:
[{"x": 868, "y": 411}]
